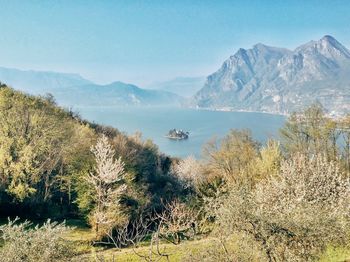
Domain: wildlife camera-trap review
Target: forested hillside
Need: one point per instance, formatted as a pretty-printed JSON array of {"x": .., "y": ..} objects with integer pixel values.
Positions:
[
  {"x": 45, "y": 157},
  {"x": 285, "y": 200}
]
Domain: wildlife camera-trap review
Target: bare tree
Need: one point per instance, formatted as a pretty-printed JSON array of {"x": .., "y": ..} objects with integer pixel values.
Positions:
[
  {"x": 177, "y": 222},
  {"x": 135, "y": 234}
]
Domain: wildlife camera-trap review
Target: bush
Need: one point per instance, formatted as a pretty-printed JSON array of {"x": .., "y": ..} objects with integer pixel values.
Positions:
[
  {"x": 21, "y": 242},
  {"x": 292, "y": 216}
]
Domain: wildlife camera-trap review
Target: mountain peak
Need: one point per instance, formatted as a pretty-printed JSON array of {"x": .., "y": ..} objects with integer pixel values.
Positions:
[
  {"x": 241, "y": 51},
  {"x": 240, "y": 54},
  {"x": 329, "y": 39},
  {"x": 273, "y": 79},
  {"x": 261, "y": 46},
  {"x": 327, "y": 46}
]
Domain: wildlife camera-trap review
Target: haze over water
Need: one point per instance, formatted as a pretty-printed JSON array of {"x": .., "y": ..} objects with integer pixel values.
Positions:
[{"x": 155, "y": 122}]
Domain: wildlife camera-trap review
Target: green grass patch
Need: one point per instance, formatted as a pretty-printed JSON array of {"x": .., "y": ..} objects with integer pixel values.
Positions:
[
  {"x": 175, "y": 252},
  {"x": 336, "y": 254}
]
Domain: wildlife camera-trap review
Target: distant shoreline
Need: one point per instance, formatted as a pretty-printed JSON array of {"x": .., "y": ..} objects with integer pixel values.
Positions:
[
  {"x": 239, "y": 111},
  {"x": 332, "y": 116},
  {"x": 175, "y": 138}
]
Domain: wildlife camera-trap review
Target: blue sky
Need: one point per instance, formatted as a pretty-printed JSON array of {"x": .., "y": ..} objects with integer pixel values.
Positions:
[{"x": 145, "y": 41}]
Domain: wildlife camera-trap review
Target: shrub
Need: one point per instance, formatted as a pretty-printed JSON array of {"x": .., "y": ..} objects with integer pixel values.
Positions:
[
  {"x": 292, "y": 216},
  {"x": 24, "y": 243}
]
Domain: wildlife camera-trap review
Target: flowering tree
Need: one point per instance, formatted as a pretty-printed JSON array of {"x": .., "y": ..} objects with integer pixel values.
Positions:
[
  {"x": 294, "y": 215},
  {"x": 189, "y": 171},
  {"x": 106, "y": 181}
]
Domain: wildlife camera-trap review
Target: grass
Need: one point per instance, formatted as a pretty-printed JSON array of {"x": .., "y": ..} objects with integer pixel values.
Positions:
[
  {"x": 175, "y": 252},
  {"x": 81, "y": 237},
  {"x": 336, "y": 254}
]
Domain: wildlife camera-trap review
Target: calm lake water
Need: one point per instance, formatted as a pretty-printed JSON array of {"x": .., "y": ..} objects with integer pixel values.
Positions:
[{"x": 203, "y": 125}]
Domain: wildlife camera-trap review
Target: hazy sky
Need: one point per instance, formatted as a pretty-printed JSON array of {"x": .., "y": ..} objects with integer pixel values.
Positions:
[{"x": 145, "y": 41}]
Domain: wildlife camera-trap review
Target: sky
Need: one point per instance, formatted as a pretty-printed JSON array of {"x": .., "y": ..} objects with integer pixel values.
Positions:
[{"x": 142, "y": 42}]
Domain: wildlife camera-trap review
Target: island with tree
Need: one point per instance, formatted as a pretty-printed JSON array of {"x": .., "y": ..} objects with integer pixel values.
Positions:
[{"x": 177, "y": 134}]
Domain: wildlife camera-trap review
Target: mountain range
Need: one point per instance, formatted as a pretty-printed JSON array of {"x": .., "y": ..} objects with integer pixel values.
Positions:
[
  {"x": 37, "y": 82},
  {"x": 72, "y": 90},
  {"x": 262, "y": 79},
  {"x": 114, "y": 94},
  {"x": 278, "y": 80}
]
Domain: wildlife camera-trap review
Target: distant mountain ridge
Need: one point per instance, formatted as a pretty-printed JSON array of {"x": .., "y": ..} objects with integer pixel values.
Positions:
[
  {"x": 72, "y": 90},
  {"x": 34, "y": 82},
  {"x": 278, "y": 80},
  {"x": 183, "y": 86},
  {"x": 115, "y": 94}
]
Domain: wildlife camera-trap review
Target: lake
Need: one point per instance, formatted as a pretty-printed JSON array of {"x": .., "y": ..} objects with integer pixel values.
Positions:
[{"x": 203, "y": 125}]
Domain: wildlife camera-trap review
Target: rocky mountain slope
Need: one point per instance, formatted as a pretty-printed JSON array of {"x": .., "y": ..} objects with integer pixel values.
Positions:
[{"x": 278, "y": 80}]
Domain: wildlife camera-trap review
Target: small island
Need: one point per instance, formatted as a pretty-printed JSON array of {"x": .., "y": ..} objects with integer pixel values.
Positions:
[{"x": 177, "y": 134}]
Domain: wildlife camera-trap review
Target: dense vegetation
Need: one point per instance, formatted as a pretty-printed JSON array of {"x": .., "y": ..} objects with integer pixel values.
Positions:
[{"x": 286, "y": 200}]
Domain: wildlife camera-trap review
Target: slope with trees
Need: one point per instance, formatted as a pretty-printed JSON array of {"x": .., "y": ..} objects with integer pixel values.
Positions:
[{"x": 285, "y": 200}]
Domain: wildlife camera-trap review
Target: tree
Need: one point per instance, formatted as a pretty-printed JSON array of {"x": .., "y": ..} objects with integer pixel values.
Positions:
[
  {"x": 189, "y": 171},
  {"x": 269, "y": 160},
  {"x": 344, "y": 127},
  {"x": 233, "y": 158},
  {"x": 177, "y": 222},
  {"x": 107, "y": 185},
  {"x": 310, "y": 132},
  {"x": 33, "y": 135},
  {"x": 292, "y": 216}
]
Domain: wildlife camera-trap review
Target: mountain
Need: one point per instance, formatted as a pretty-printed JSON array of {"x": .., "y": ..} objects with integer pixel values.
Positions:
[
  {"x": 72, "y": 90},
  {"x": 36, "y": 82},
  {"x": 183, "y": 86},
  {"x": 278, "y": 80},
  {"x": 114, "y": 94}
]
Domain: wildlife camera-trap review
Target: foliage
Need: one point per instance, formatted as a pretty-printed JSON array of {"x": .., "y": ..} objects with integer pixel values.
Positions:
[
  {"x": 24, "y": 243},
  {"x": 279, "y": 214},
  {"x": 31, "y": 144},
  {"x": 235, "y": 248},
  {"x": 268, "y": 162},
  {"x": 45, "y": 161},
  {"x": 311, "y": 132},
  {"x": 257, "y": 202},
  {"x": 107, "y": 186},
  {"x": 41, "y": 148},
  {"x": 233, "y": 158},
  {"x": 190, "y": 172}
]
